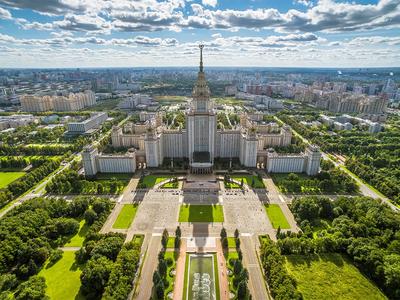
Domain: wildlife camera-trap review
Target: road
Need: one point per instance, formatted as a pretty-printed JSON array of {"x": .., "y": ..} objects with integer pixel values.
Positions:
[
  {"x": 364, "y": 188},
  {"x": 150, "y": 265},
  {"x": 256, "y": 278}
]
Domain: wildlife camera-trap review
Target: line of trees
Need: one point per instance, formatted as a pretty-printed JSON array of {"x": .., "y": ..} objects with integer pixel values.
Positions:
[
  {"x": 26, "y": 182},
  {"x": 20, "y": 162},
  {"x": 281, "y": 284},
  {"x": 122, "y": 274},
  {"x": 160, "y": 282},
  {"x": 240, "y": 273}
]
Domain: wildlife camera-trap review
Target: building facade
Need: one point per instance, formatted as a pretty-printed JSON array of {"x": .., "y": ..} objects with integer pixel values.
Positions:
[
  {"x": 201, "y": 143},
  {"x": 307, "y": 162},
  {"x": 94, "y": 122},
  {"x": 95, "y": 162},
  {"x": 73, "y": 102}
]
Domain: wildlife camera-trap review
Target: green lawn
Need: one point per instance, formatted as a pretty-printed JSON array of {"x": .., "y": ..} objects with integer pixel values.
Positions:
[
  {"x": 170, "y": 185},
  {"x": 77, "y": 239},
  {"x": 63, "y": 278},
  {"x": 276, "y": 216},
  {"x": 330, "y": 276},
  {"x": 7, "y": 177},
  {"x": 231, "y": 242},
  {"x": 201, "y": 213},
  {"x": 151, "y": 180},
  {"x": 231, "y": 185},
  {"x": 138, "y": 239},
  {"x": 248, "y": 179},
  {"x": 126, "y": 216},
  {"x": 170, "y": 279},
  {"x": 171, "y": 242}
]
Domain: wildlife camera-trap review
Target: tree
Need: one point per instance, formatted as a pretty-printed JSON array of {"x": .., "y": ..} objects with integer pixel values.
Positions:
[
  {"x": 100, "y": 188},
  {"x": 108, "y": 246},
  {"x": 225, "y": 243},
  {"x": 223, "y": 234},
  {"x": 156, "y": 277},
  {"x": 237, "y": 242},
  {"x": 95, "y": 276},
  {"x": 90, "y": 216},
  {"x": 293, "y": 177},
  {"x": 113, "y": 185},
  {"x": 392, "y": 273},
  {"x": 160, "y": 290},
  {"x": 78, "y": 206},
  {"x": 237, "y": 268},
  {"x": 32, "y": 289},
  {"x": 8, "y": 282},
  {"x": 178, "y": 231},
  {"x": 236, "y": 234},
  {"x": 242, "y": 290},
  {"x": 164, "y": 238},
  {"x": 177, "y": 242},
  {"x": 162, "y": 267}
]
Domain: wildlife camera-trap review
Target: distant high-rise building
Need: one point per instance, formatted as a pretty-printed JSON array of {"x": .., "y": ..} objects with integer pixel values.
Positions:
[{"x": 73, "y": 102}]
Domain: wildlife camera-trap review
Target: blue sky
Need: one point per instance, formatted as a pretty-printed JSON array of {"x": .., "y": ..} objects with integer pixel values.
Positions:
[{"x": 123, "y": 33}]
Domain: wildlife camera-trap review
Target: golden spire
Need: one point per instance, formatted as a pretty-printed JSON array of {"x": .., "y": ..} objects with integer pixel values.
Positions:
[{"x": 201, "y": 46}]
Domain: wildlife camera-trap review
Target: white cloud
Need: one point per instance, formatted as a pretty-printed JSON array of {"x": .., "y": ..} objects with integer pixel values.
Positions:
[
  {"x": 153, "y": 15},
  {"x": 5, "y": 14},
  {"x": 212, "y": 3},
  {"x": 307, "y": 3}
]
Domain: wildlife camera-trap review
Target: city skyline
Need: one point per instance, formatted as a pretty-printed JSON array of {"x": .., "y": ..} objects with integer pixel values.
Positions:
[{"x": 149, "y": 33}]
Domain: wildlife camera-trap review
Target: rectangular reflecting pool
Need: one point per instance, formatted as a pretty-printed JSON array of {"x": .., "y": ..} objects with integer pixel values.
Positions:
[{"x": 201, "y": 273}]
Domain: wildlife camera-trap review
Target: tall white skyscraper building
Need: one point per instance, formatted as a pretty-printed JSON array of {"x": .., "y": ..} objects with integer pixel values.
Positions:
[{"x": 201, "y": 143}]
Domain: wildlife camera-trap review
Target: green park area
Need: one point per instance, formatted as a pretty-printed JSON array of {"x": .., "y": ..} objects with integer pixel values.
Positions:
[
  {"x": 250, "y": 180},
  {"x": 77, "y": 239},
  {"x": 330, "y": 276},
  {"x": 126, "y": 216},
  {"x": 170, "y": 99},
  {"x": 150, "y": 181},
  {"x": 333, "y": 182},
  {"x": 229, "y": 101},
  {"x": 7, "y": 177},
  {"x": 104, "y": 105},
  {"x": 276, "y": 216},
  {"x": 201, "y": 213},
  {"x": 231, "y": 185},
  {"x": 171, "y": 185},
  {"x": 63, "y": 278}
]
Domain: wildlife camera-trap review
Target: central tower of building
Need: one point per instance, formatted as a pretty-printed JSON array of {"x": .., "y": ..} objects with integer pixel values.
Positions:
[{"x": 201, "y": 125}]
